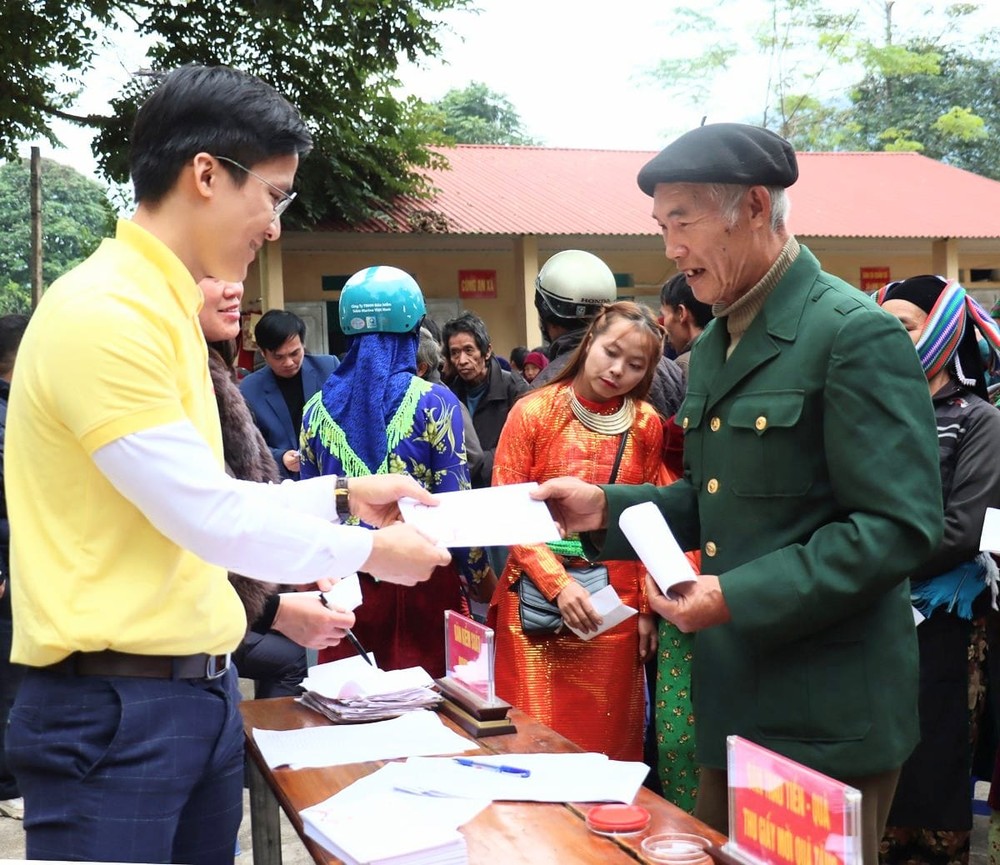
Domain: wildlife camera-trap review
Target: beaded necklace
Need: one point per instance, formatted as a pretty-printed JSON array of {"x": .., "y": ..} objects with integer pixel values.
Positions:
[{"x": 607, "y": 424}]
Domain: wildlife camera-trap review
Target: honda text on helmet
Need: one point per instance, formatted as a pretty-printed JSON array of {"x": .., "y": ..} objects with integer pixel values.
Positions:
[{"x": 572, "y": 286}]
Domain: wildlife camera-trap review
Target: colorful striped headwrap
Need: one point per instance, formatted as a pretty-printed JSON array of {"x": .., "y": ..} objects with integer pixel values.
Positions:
[{"x": 949, "y": 316}]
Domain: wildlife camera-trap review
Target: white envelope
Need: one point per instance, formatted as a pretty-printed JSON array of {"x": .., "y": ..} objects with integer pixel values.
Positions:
[{"x": 494, "y": 516}]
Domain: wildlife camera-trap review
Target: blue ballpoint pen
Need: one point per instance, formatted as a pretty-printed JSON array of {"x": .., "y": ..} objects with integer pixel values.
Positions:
[{"x": 492, "y": 767}]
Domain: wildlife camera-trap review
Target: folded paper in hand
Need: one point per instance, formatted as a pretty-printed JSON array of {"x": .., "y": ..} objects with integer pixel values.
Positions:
[
  {"x": 610, "y": 608},
  {"x": 494, "y": 516},
  {"x": 654, "y": 543},
  {"x": 344, "y": 595}
]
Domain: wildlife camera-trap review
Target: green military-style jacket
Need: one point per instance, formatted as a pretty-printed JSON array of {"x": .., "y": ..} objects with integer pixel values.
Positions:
[{"x": 812, "y": 489}]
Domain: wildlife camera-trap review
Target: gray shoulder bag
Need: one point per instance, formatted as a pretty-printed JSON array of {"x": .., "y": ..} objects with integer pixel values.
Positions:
[{"x": 538, "y": 614}]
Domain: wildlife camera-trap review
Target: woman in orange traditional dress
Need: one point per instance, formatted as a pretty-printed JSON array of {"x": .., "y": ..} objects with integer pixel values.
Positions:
[{"x": 592, "y": 691}]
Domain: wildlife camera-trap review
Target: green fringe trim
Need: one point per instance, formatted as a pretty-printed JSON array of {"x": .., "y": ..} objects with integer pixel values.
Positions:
[{"x": 333, "y": 438}]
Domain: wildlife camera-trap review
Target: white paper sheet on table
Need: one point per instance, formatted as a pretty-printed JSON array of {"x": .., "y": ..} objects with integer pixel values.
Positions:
[
  {"x": 609, "y": 607},
  {"x": 654, "y": 543},
  {"x": 493, "y": 516},
  {"x": 413, "y": 734},
  {"x": 384, "y": 783},
  {"x": 583, "y": 777}
]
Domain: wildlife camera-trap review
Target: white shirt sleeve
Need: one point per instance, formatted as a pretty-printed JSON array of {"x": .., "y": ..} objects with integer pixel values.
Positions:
[{"x": 277, "y": 532}]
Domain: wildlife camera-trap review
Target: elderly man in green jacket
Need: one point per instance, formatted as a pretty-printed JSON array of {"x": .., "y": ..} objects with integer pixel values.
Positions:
[{"x": 811, "y": 484}]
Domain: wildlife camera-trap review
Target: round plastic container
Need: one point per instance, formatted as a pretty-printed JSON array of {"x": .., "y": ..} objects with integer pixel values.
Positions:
[
  {"x": 616, "y": 819},
  {"x": 677, "y": 848}
]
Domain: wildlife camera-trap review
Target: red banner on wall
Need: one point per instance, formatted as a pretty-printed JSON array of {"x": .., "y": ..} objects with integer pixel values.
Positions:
[
  {"x": 873, "y": 278},
  {"x": 477, "y": 283}
]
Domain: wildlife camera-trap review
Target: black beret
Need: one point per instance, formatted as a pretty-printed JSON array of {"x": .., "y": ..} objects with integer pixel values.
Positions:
[{"x": 723, "y": 153}]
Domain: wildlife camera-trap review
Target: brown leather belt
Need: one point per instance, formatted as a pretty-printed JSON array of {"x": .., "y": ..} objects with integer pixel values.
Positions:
[{"x": 111, "y": 663}]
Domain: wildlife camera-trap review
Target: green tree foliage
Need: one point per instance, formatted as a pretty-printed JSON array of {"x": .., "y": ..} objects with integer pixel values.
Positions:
[
  {"x": 76, "y": 215},
  {"x": 937, "y": 92},
  {"x": 45, "y": 43},
  {"x": 790, "y": 52},
  {"x": 478, "y": 115},
  {"x": 334, "y": 59},
  {"x": 950, "y": 112}
]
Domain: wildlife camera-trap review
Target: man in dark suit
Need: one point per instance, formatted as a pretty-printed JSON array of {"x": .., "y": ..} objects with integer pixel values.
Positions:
[
  {"x": 277, "y": 392},
  {"x": 811, "y": 485},
  {"x": 484, "y": 387}
]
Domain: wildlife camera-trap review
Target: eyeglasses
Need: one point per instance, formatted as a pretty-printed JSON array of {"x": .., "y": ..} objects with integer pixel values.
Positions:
[{"x": 286, "y": 198}]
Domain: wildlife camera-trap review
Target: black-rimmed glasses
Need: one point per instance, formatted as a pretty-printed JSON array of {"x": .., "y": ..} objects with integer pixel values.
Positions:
[{"x": 286, "y": 198}]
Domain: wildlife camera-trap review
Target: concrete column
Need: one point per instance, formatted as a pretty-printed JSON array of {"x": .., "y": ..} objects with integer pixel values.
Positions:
[
  {"x": 944, "y": 256},
  {"x": 272, "y": 284},
  {"x": 526, "y": 269}
]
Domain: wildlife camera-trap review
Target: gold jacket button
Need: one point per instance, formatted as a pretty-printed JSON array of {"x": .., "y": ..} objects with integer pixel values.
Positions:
[
  {"x": 713, "y": 486},
  {"x": 684, "y": 423},
  {"x": 761, "y": 422},
  {"x": 710, "y": 548},
  {"x": 716, "y": 424}
]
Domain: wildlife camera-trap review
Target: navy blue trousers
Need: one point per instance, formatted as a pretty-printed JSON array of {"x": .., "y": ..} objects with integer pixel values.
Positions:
[
  {"x": 122, "y": 769},
  {"x": 10, "y": 679}
]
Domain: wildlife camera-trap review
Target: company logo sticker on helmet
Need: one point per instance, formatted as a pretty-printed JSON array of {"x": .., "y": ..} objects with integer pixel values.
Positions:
[{"x": 381, "y": 299}]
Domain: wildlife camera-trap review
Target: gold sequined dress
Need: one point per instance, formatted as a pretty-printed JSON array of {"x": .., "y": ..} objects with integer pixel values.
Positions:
[{"x": 589, "y": 691}]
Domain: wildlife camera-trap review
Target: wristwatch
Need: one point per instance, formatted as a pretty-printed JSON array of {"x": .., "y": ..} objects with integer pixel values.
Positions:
[{"x": 342, "y": 499}]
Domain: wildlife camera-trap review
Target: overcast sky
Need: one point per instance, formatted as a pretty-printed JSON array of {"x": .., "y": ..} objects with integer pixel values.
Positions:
[{"x": 576, "y": 73}]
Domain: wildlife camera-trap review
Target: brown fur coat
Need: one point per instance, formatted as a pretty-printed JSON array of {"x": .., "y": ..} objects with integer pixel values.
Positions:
[{"x": 247, "y": 458}]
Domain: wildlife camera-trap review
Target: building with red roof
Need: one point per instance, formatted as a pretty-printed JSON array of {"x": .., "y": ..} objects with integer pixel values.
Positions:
[{"x": 497, "y": 213}]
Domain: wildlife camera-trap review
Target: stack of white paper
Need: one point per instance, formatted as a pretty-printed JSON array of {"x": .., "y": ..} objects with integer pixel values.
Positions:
[
  {"x": 356, "y": 834},
  {"x": 352, "y": 823},
  {"x": 353, "y": 690}
]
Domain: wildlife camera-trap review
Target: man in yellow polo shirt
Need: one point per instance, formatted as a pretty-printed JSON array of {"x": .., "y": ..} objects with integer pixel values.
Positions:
[{"x": 125, "y": 737}]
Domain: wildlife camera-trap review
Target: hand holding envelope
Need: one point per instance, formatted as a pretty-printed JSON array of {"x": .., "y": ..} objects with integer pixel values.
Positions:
[{"x": 489, "y": 517}]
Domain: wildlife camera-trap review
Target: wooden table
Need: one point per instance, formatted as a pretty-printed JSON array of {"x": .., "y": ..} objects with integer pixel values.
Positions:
[{"x": 506, "y": 833}]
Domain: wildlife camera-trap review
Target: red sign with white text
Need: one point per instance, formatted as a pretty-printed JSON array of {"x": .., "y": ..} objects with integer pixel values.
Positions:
[
  {"x": 468, "y": 649},
  {"x": 873, "y": 278},
  {"x": 781, "y": 811},
  {"x": 477, "y": 283}
]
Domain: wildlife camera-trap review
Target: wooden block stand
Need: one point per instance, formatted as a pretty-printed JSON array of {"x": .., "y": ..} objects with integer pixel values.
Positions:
[{"x": 472, "y": 713}]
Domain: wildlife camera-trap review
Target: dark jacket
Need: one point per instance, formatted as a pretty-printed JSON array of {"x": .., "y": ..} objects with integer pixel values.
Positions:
[
  {"x": 490, "y": 415},
  {"x": 968, "y": 431},
  {"x": 812, "y": 489},
  {"x": 473, "y": 450},
  {"x": 270, "y": 412},
  {"x": 665, "y": 393}
]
